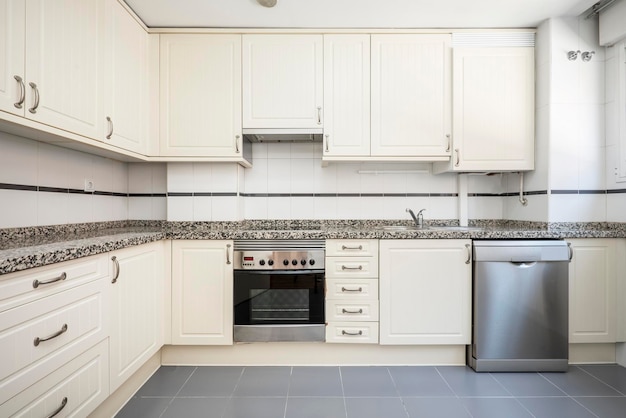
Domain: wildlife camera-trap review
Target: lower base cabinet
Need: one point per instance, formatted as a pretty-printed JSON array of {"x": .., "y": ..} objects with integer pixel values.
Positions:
[
  {"x": 425, "y": 291},
  {"x": 202, "y": 292}
]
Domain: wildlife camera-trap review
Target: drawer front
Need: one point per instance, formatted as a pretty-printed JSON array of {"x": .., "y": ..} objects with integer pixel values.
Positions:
[
  {"x": 74, "y": 389},
  {"x": 352, "y": 248},
  {"x": 352, "y": 289},
  {"x": 26, "y": 286},
  {"x": 358, "y": 267},
  {"x": 60, "y": 326},
  {"x": 352, "y": 332},
  {"x": 344, "y": 310}
]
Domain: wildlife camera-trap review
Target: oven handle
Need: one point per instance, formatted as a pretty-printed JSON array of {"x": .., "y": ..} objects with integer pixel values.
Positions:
[{"x": 279, "y": 272}]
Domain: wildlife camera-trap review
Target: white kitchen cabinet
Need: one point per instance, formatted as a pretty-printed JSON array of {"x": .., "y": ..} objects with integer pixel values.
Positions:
[
  {"x": 493, "y": 106},
  {"x": 137, "y": 308},
  {"x": 202, "y": 292},
  {"x": 201, "y": 96},
  {"x": 592, "y": 290},
  {"x": 283, "y": 81},
  {"x": 425, "y": 291},
  {"x": 346, "y": 95},
  {"x": 12, "y": 19},
  {"x": 126, "y": 95},
  {"x": 411, "y": 102}
]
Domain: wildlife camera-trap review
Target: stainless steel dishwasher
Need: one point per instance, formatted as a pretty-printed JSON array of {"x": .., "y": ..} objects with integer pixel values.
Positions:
[{"x": 520, "y": 308}]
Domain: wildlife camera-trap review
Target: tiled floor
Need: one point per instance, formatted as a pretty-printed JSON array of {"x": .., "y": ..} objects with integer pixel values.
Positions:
[{"x": 380, "y": 392}]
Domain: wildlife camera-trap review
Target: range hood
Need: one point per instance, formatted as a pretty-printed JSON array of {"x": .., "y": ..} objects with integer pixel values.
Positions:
[{"x": 283, "y": 135}]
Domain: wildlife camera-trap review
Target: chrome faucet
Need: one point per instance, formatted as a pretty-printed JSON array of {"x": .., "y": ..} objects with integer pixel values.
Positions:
[{"x": 419, "y": 219}]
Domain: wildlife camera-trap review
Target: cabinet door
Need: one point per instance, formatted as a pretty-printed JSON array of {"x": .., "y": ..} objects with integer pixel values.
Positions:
[
  {"x": 64, "y": 64},
  {"x": 137, "y": 309},
  {"x": 494, "y": 108},
  {"x": 202, "y": 292},
  {"x": 425, "y": 291},
  {"x": 200, "y": 95},
  {"x": 346, "y": 95},
  {"x": 410, "y": 95},
  {"x": 282, "y": 81},
  {"x": 126, "y": 80},
  {"x": 592, "y": 291},
  {"x": 12, "y": 55}
]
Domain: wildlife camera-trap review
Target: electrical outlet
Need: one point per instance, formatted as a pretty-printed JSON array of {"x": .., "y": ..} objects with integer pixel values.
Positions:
[{"x": 89, "y": 186}]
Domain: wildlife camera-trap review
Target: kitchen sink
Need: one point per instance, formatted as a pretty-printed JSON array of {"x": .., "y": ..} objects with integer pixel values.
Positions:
[
  {"x": 456, "y": 228},
  {"x": 400, "y": 228}
]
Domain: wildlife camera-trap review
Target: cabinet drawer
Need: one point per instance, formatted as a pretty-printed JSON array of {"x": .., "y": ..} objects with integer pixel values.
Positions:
[
  {"x": 352, "y": 332},
  {"x": 351, "y": 248},
  {"x": 26, "y": 286},
  {"x": 352, "y": 289},
  {"x": 57, "y": 329},
  {"x": 344, "y": 310},
  {"x": 359, "y": 267},
  {"x": 78, "y": 386}
]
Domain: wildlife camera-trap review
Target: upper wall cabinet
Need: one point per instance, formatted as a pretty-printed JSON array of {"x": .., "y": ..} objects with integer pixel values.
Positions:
[
  {"x": 282, "y": 81},
  {"x": 126, "y": 103},
  {"x": 51, "y": 62},
  {"x": 410, "y": 95},
  {"x": 346, "y": 96},
  {"x": 201, "y": 96},
  {"x": 493, "y": 108}
]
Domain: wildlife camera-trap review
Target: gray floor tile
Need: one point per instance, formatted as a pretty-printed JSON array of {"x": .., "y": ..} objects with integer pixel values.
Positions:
[
  {"x": 375, "y": 408},
  {"x": 495, "y": 408},
  {"x": 465, "y": 382},
  {"x": 419, "y": 381},
  {"x": 264, "y": 381},
  {"x": 196, "y": 408},
  {"x": 613, "y": 375},
  {"x": 527, "y": 384},
  {"x": 144, "y": 407},
  {"x": 435, "y": 408},
  {"x": 166, "y": 381},
  {"x": 315, "y": 408},
  {"x": 212, "y": 381},
  {"x": 555, "y": 407},
  {"x": 255, "y": 408},
  {"x": 605, "y": 407},
  {"x": 315, "y": 381},
  {"x": 367, "y": 381},
  {"x": 576, "y": 382}
]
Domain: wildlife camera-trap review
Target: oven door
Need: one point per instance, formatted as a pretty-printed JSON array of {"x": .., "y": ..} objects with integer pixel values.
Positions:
[{"x": 279, "y": 305}]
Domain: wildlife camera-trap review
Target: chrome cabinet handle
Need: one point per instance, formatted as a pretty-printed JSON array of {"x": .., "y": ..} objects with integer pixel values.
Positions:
[
  {"x": 343, "y": 289},
  {"x": 360, "y": 311},
  {"x": 344, "y": 332},
  {"x": 351, "y": 268},
  {"x": 469, "y": 254},
  {"x": 343, "y": 247},
  {"x": 110, "y": 128},
  {"x": 237, "y": 144},
  {"x": 37, "y": 283},
  {"x": 20, "y": 102},
  {"x": 59, "y": 409},
  {"x": 117, "y": 269},
  {"x": 449, "y": 143},
  {"x": 36, "y": 91},
  {"x": 327, "y": 142},
  {"x": 319, "y": 115},
  {"x": 38, "y": 340},
  {"x": 456, "y": 150},
  {"x": 571, "y": 251},
  {"x": 228, "y": 254}
]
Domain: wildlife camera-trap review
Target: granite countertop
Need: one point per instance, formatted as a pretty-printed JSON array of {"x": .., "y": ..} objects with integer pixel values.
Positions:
[{"x": 25, "y": 248}]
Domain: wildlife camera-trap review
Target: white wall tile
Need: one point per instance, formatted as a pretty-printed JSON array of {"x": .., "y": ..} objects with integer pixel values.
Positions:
[
  {"x": 159, "y": 177},
  {"x": 302, "y": 208},
  {"x": 52, "y": 208},
  {"x": 203, "y": 208},
  {"x": 485, "y": 207},
  {"x": 564, "y": 146},
  {"x": 542, "y": 42},
  {"x": 102, "y": 174},
  {"x": 325, "y": 178},
  {"x": 394, "y": 208},
  {"x": 373, "y": 183},
  {"x": 255, "y": 178},
  {"x": 302, "y": 175},
  {"x": 51, "y": 165},
  {"x": 81, "y": 208},
  {"x": 120, "y": 209},
  {"x": 616, "y": 207},
  {"x": 103, "y": 208},
  {"x": 443, "y": 208},
  {"x": 18, "y": 208},
  {"x": 259, "y": 150},
  {"x": 139, "y": 178},
  {"x": 417, "y": 203},
  {"x": 485, "y": 184},
  {"x": 542, "y": 85},
  {"x": 442, "y": 183},
  {"x": 119, "y": 177},
  {"x": 592, "y": 76},
  {"x": 325, "y": 208},
  {"x": 18, "y": 160},
  {"x": 535, "y": 211},
  {"x": 350, "y": 208},
  {"x": 225, "y": 177},
  {"x": 279, "y": 208},
  {"x": 303, "y": 150},
  {"x": 140, "y": 208},
  {"x": 278, "y": 150},
  {"x": 202, "y": 179},
  {"x": 255, "y": 207},
  {"x": 225, "y": 208},
  {"x": 179, "y": 177},
  {"x": 278, "y": 175},
  {"x": 180, "y": 209},
  {"x": 348, "y": 179},
  {"x": 79, "y": 166},
  {"x": 159, "y": 208},
  {"x": 373, "y": 208}
]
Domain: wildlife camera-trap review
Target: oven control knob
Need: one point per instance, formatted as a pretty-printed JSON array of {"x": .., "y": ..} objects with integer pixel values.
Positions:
[
  {"x": 303, "y": 262},
  {"x": 294, "y": 262},
  {"x": 311, "y": 262},
  {"x": 286, "y": 262},
  {"x": 262, "y": 262},
  {"x": 270, "y": 262}
]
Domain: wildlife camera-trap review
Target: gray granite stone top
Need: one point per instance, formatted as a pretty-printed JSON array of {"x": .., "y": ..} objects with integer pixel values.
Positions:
[{"x": 25, "y": 248}]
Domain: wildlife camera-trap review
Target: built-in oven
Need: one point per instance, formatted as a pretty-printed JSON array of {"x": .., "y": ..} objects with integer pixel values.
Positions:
[{"x": 279, "y": 290}]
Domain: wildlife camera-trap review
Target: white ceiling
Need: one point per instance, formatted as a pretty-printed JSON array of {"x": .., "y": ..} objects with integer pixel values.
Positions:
[{"x": 355, "y": 13}]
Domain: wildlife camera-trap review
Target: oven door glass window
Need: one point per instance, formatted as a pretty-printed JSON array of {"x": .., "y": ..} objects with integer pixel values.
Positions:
[{"x": 271, "y": 298}]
